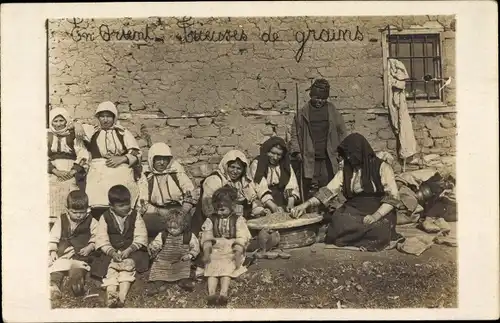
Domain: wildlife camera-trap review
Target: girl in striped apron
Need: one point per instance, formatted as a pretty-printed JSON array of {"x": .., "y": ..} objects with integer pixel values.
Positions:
[{"x": 173, "y": 249}]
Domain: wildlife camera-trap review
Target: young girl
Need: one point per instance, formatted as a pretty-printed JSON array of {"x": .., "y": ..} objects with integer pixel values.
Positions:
[
  {"x": 115, "y": 157},
  {"x": 67, "y": 161},
  {"x": 122, "y": 239},
  {"x": 225, "y": 237},
  {"x": 173, "y": 249},
  {"x": 72, "y": 237}
]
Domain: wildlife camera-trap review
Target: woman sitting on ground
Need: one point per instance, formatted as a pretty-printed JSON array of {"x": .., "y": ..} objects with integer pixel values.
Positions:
[
  {"x": 232, "y": 172},
  {"x": 67, "y": 161},
  {"x": 367, "y": 219},
  {"x": 166, "y": 186},
  {"x": 271, "y": 171}
]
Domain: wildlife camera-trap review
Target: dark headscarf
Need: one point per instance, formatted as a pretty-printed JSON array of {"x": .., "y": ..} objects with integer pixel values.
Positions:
[
  {"x": 263, "y": 161},
  {"x": 356, "y": 151}
]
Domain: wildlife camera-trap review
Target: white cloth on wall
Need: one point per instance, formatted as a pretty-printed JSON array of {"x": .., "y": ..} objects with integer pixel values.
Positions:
[{"x": 398, "y": 108}]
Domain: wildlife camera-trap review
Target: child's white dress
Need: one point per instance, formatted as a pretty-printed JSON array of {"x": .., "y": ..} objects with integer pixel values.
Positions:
[{"x": 231, "y": 232}]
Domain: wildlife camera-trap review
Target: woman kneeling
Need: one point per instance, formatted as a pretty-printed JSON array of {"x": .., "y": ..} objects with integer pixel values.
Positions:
[{"x": 367, "y": 219}]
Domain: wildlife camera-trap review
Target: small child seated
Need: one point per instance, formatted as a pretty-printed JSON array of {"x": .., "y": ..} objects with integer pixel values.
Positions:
[
  {"x": 122, "y": 239},
  {"x": 173, "y": 249},
  {"x": 225, "y": 236},
  {"x": 72, "y": 237}
]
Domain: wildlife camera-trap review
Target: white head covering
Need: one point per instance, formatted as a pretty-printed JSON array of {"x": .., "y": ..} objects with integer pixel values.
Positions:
[
  {"x": 63, "y": 113},
  {"x": 159, "y": 149},
  {"x": 59, "y": 139},
  {"x": 110, "y": 107},
  {"x": 230, "y": 156}
]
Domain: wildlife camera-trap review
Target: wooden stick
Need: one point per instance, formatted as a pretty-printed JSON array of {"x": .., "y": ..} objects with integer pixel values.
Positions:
[{"x": 301, "y": 179}]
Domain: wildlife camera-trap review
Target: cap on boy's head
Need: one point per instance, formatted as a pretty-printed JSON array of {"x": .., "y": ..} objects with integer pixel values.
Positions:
[
  {"x": 118, "y": 194},
  {"x": 320, "y": 89},
  {"x": 224, "y": 196},
  {"x": 77, "y": 200}
]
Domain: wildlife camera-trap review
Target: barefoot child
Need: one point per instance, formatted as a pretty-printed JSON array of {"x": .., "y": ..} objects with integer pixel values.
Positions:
[
  {"x": 72, "y": 237},
  {"x": 173, "y": 249},
  {"x": 225, "y": 237},
  {"x": 122, "y": 239}
]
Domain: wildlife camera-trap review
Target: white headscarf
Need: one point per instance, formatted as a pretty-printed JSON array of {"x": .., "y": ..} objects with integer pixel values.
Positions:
[
  {"x": 60, "y": 135},
  {"x": 110, "y": 107},
  {"x": 159, "y": 149},
  {"x": 230, "y": 156}
]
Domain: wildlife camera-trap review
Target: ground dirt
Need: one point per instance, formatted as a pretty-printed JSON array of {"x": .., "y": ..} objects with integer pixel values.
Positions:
[{"x": 315, "y": 277}]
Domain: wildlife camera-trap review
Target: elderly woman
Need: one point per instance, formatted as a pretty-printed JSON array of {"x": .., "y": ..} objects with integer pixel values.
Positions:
[
  {"x": 367, "y": 219},
  {"x": 115, "y": 157},
  {"x": 271, "y": 171},
  {"x": 67, "y": 161},
  {"x": 233, "y": 172},
  {"x": 164, "y": 187}
]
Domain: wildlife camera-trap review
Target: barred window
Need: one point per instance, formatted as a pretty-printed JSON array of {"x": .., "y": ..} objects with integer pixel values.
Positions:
[{"x": 421, "y": 55}]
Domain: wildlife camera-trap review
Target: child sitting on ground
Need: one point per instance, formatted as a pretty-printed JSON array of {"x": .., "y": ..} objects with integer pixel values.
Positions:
[
  {"x": 225, "y": 237},
  {"x": 173, "y": 249},
  {"x": 72, "y": 237},
  {"x": 122, "y": 240}
]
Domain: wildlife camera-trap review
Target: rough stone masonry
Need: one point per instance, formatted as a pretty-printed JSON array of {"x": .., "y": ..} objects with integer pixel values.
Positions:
[{"x": 205, "y": 86}]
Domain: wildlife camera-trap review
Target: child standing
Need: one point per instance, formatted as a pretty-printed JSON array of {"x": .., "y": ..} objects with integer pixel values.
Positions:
[
  {"x": 72, "y": 237},
  {"x": 173, "y": 249},
  {"x": 225, "y": 237},
  {"x": 122, "y": 239}
]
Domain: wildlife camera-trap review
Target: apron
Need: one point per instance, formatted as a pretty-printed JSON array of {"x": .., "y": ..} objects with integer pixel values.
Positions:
[{"x": 101, "y": 178}]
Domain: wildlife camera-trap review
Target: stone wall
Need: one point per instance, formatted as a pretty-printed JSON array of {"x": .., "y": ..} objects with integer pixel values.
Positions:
[{"x": 206, "y": 97}]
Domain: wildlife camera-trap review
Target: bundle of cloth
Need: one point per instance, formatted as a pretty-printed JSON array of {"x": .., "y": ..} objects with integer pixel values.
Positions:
[{"x": 426, "y": 194}]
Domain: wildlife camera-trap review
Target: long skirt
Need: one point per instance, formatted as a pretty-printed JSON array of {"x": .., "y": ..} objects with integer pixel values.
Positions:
[
  {"x": 59, "y": 190},
  {"x": 101, "y": 178},
  {"x": 168, "y": 265},
  {"x": 346, "y": 227}
]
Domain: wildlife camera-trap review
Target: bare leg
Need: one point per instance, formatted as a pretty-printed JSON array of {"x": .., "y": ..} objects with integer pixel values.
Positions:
[
  {"x": 224, "y": 285},
  {"x": 212, "y": 285},
  {"x": 112, "y": 296},
  {"x": 124, "y": 288}
]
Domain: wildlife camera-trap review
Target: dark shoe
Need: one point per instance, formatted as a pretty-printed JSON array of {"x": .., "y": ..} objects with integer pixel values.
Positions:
[
  {"x": 163, "y": 287},
  {"x": 222, "y": 300},
  {"x": 77, "y": 281},
  {"x": 120, "y": 304},
  {"x": 186, "y": 284},
  {"x": 153, "y": 288},
  {"x": 212, "y": 300}
]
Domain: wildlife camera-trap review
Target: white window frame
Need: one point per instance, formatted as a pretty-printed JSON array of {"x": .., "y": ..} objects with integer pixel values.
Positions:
[{"x": 420, "y": 106}]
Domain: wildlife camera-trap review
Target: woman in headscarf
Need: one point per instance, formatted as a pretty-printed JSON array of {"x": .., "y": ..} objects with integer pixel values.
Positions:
[
  {"x": 367, "y": 219},
  {"x": 115, "y": 157},
  {"x": 233, "y": 172},
  {"x": 271, "y": 170},
  {"x": 67, "y": 161},
  {"x": 164, "y": 187}
]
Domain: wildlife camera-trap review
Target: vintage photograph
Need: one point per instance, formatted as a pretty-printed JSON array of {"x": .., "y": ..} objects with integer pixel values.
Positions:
[{"x": 252, "y": 162}]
